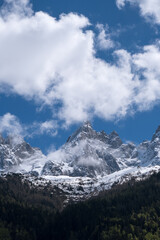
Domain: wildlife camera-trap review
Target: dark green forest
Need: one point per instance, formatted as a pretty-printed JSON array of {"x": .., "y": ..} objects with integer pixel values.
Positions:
[{"x": 126, "y": 212}]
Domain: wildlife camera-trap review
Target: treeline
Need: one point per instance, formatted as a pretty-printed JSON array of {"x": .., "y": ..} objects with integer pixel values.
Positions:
[{"x": 127, "y": 212}]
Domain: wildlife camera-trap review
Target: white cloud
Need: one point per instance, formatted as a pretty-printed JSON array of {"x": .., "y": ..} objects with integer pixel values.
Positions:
[
  {"x": 120, "y": 3},
  {"x": 78, "y": 151},
  {"x": 18, "y": 7},
  {"x": 104, "y": 37},
  {"x": 150, "y": 9},
  {"x": 147, "y": 63},
  {"x": 33, "y": 49},
  {"x": 53, "y": 62},
  {"x": 10, "y": 125},
  {"x": 48, "y": 127}
]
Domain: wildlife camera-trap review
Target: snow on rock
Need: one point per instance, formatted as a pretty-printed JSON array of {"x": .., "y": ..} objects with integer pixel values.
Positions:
[
  {"x": 90, "y": 153},
  {"x": 18, "y": 156},
  {"x": 87, "y": 163}
]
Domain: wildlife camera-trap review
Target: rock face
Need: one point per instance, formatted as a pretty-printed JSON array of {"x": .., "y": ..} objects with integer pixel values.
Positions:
[
  {"x": 89, "y": 153},
  {"x": 86, "y": 153},
  {"x": 149, "y": 151},
  {"x": 17, "y": 155}
]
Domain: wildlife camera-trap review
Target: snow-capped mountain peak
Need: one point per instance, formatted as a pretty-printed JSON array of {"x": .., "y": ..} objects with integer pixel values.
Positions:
[
  {"x": 87, "y": 154},
  {"x": 16, "y": 155},
  {"x": 85, "y": 131}
]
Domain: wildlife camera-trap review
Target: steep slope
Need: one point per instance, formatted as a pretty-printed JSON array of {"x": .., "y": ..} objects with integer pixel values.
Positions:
[
  {"x": 89, "y": 153},
  {"x": 18, "y": 156},
  {"x": 149, "y": 151}
]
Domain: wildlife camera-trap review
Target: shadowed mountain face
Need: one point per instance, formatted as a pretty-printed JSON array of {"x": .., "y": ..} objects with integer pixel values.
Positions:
[{"x": 86, "y": 153}]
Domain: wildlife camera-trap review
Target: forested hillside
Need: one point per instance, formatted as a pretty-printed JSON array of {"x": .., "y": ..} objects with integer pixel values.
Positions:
[{"x": 129, "y": 211}]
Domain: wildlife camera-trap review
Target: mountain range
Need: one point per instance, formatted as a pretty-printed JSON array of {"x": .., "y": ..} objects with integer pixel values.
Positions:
[{"x": 86, "y": 164}]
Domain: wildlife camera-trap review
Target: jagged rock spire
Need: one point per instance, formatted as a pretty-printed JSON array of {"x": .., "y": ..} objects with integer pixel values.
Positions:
[
  {"x": 157, "y": 134},
  {"x": 87, "y": 132},
  {"x": 114, "y": 140},
  {"x": 84, "y": 131},
  {"x": 87, "y": 124}
]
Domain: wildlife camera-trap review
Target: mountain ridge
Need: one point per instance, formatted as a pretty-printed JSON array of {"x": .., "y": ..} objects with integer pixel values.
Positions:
[{"x": 89, "y": 160}]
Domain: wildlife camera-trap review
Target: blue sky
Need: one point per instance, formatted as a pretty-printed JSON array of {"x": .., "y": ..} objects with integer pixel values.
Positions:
[{"x": 64, "y": 62}]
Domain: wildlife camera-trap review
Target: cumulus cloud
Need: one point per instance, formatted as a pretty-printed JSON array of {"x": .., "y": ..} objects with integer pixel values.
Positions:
[
  {"x": 53, "y": 61},
  {"x": 10, "y": 125},
  {"x": 149, "y": 9},
  {"x": 104, "y": 37},
  {"x": 120, "y": 3},
  {"x": 147, "y": 63},
  {"x": 34, "y": 49},
  {"x": 49, "y": 127},
  {"x": 18, "y": 7}
]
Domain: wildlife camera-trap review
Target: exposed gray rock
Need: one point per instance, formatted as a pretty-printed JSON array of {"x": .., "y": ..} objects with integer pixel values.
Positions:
[
  {"x": 114, "y": 140},
  {"x": 86, "y": 153},
  {"x": 51, "y": 168},
  {"x": 14, "y": 151},
  {"x": 156, "y": 135}
]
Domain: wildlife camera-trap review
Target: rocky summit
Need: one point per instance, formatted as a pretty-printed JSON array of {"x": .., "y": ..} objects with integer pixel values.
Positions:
[{"x": 91, "y": 160}]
